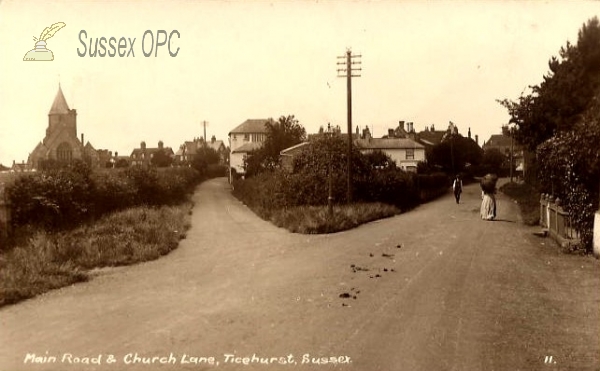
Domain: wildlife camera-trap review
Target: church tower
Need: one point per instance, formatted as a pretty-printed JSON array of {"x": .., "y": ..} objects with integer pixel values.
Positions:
[
  {"x": 60, "y": 143},
  {"x": 60, "y": 117}
]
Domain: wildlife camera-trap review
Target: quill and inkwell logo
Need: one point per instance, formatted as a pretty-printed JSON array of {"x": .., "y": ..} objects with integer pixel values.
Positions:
[{"x": 40, "y": 53}]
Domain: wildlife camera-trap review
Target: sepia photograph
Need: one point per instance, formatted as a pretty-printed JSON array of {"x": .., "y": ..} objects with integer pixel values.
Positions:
[{"x": 299, "y": 185}]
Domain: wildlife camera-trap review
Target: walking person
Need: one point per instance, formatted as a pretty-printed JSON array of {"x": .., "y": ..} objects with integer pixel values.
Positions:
[
  {"x": 488, "y": 198},
  {"x": 457, "y": 188}
]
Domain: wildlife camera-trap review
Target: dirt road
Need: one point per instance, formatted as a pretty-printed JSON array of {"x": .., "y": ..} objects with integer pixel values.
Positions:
[{"x": 434, "y": 289}]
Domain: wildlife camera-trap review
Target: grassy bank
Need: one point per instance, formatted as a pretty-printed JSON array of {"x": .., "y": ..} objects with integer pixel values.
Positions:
[
  {"x": 49, "y": 261},
  {"x": 527, "y": 198},
  {"x": 316, "y": 219}
]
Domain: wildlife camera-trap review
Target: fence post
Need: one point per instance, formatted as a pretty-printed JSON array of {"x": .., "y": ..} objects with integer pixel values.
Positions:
[
  {"x": 596, "y": 247},
  {"x": 561, "y": 215},
  {"x": 543, "y": 206}
]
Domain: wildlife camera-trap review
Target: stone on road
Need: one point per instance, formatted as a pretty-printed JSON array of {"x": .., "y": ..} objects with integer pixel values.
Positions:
[{"x": 436, "y": 288}]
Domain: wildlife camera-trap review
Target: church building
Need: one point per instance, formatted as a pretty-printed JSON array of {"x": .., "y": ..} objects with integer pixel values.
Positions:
[{"x": 61, "y": 143}]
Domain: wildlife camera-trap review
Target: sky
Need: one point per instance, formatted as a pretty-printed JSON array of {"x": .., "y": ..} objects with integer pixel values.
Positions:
[{"x": 429, "y": 62}]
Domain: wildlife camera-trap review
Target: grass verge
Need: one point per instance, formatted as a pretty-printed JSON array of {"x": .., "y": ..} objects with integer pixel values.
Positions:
[
  {"x": 316, "y": 219},
  {"x": 527, "y": 198},
  {"x": 49, "y": 261}
]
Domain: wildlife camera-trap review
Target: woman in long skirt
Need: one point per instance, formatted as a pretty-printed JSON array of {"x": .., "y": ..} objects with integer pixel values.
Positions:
[
  {"x": 488, "y": 203},
  {"x": 488, "y": 206}
]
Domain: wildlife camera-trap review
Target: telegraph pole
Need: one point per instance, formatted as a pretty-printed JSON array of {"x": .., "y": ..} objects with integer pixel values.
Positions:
[{"x": 348, "y": 75}]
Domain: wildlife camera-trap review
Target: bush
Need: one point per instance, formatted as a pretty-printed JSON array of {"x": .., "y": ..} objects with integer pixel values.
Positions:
[{"x": 66, "y": 197}]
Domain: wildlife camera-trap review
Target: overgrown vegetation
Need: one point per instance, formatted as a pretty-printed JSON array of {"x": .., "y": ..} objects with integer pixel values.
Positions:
[
  {"x": 68, "y": 196},
  {"x": 51, "y": 260},
  {"x": 528, "y": 200},
  {"x": 316, "y": 219},
  {"x": 560, "y": 121}
]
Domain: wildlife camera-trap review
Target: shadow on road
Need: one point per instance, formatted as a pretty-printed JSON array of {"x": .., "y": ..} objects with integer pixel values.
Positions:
[{"x": 505, "y": 220}]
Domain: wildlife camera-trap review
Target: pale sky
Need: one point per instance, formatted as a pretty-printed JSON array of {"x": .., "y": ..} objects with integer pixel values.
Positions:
[{"x": 429, "y": 62}]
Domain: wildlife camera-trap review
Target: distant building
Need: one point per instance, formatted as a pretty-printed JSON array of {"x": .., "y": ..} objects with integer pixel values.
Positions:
[
  {"x": 405, "y": 152},
  {"x": 245, "y": 138},
  {"x": 189, "y": 149},
  {"x": 143, "y": 156},
  {"x": 220, "y": 148},
  {"x": 402, "y": 149},
  {"x": 61, "y": 143},
  {"x": 504, "y": 143}
]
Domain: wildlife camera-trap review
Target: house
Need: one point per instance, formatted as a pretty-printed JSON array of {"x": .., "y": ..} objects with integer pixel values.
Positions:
[
  {"x": 405, "y": 152},
  {"x": 143, "y": 156},
  {"x": 505, "y": 144},
  {"x": 61, "y": 143},
  {"x": 245, "y": 138},
  {"x": 220, "y": 148},
  {"x": 189, "y": 149}
]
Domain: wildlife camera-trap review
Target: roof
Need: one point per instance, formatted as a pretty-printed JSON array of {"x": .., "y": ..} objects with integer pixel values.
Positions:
[
  {"x": 388, "y": 143},
  {"x": 60, "y": 104},
  {"x": 294, "y": 149},
  {"x": 251, "y": 126},
  {"x": 248, "y": 147},
  {"x": 433, "y": 137},
  {"x": 216, "y": 144},
  {"x": 498, "y": 140}
]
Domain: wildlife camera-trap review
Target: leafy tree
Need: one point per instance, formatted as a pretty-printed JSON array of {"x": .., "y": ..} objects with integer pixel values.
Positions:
[
  {"x": 454, "y": 153},
  {"x": 210, "y": 155},
  {"x": 281, "y": 134},
  {"x": 556, "y": 104},
  {"x": 121, "y": 163},
  {"x": 560, "y": 119},
  {"x": 493, "y": 158},
  {"x": 161, "y": 159}
]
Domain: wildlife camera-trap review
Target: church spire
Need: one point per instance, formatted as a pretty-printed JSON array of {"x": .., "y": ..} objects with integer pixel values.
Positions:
[{"x": 60, "y": 104}]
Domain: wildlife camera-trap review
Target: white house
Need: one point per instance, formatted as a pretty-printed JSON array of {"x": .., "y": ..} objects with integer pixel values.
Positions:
[
  {"x": 245, "y": 138},
  {"x": 404, "y": 151}
]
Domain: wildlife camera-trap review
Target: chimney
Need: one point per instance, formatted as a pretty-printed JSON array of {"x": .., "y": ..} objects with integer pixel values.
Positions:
[
  {"x": 366, "y": 133},
  {"x": 82, "y": 138},
  {"x": 410, "y": 127},
  {"x": 477, "y": 139},
  {"x": 391, "y": 133},
  {"x": 432, "y": 128},
  {"x": 469, "y": 133},
  {"x": 401, "y": 124},
  {"x": 357, "y": 131},
  {"x": 143, "y": 145},
  {"x": 160, "y": 144},
  {"x": 213, "y": 139}
]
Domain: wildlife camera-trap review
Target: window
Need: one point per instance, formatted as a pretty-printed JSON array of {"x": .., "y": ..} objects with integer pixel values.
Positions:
[
  {"x": 64, "y": 152},
  {"x": 410, "y": 154},
  {"x": 246, "y": 137}
]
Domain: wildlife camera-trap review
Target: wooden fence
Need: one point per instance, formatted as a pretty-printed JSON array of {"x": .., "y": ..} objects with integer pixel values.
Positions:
[{"x": 557, "y": 222}]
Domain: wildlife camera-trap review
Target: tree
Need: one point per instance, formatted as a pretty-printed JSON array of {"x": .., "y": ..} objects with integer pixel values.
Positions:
[
  {"x": 493, "y": 158},
  {"x": 557, "y": 103},
  {"x": 161, "y": 159},
  {"x": 560, "y": 119},
  {"x": 281, "y": 134},
  {"x": 454, "y": 153}
]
